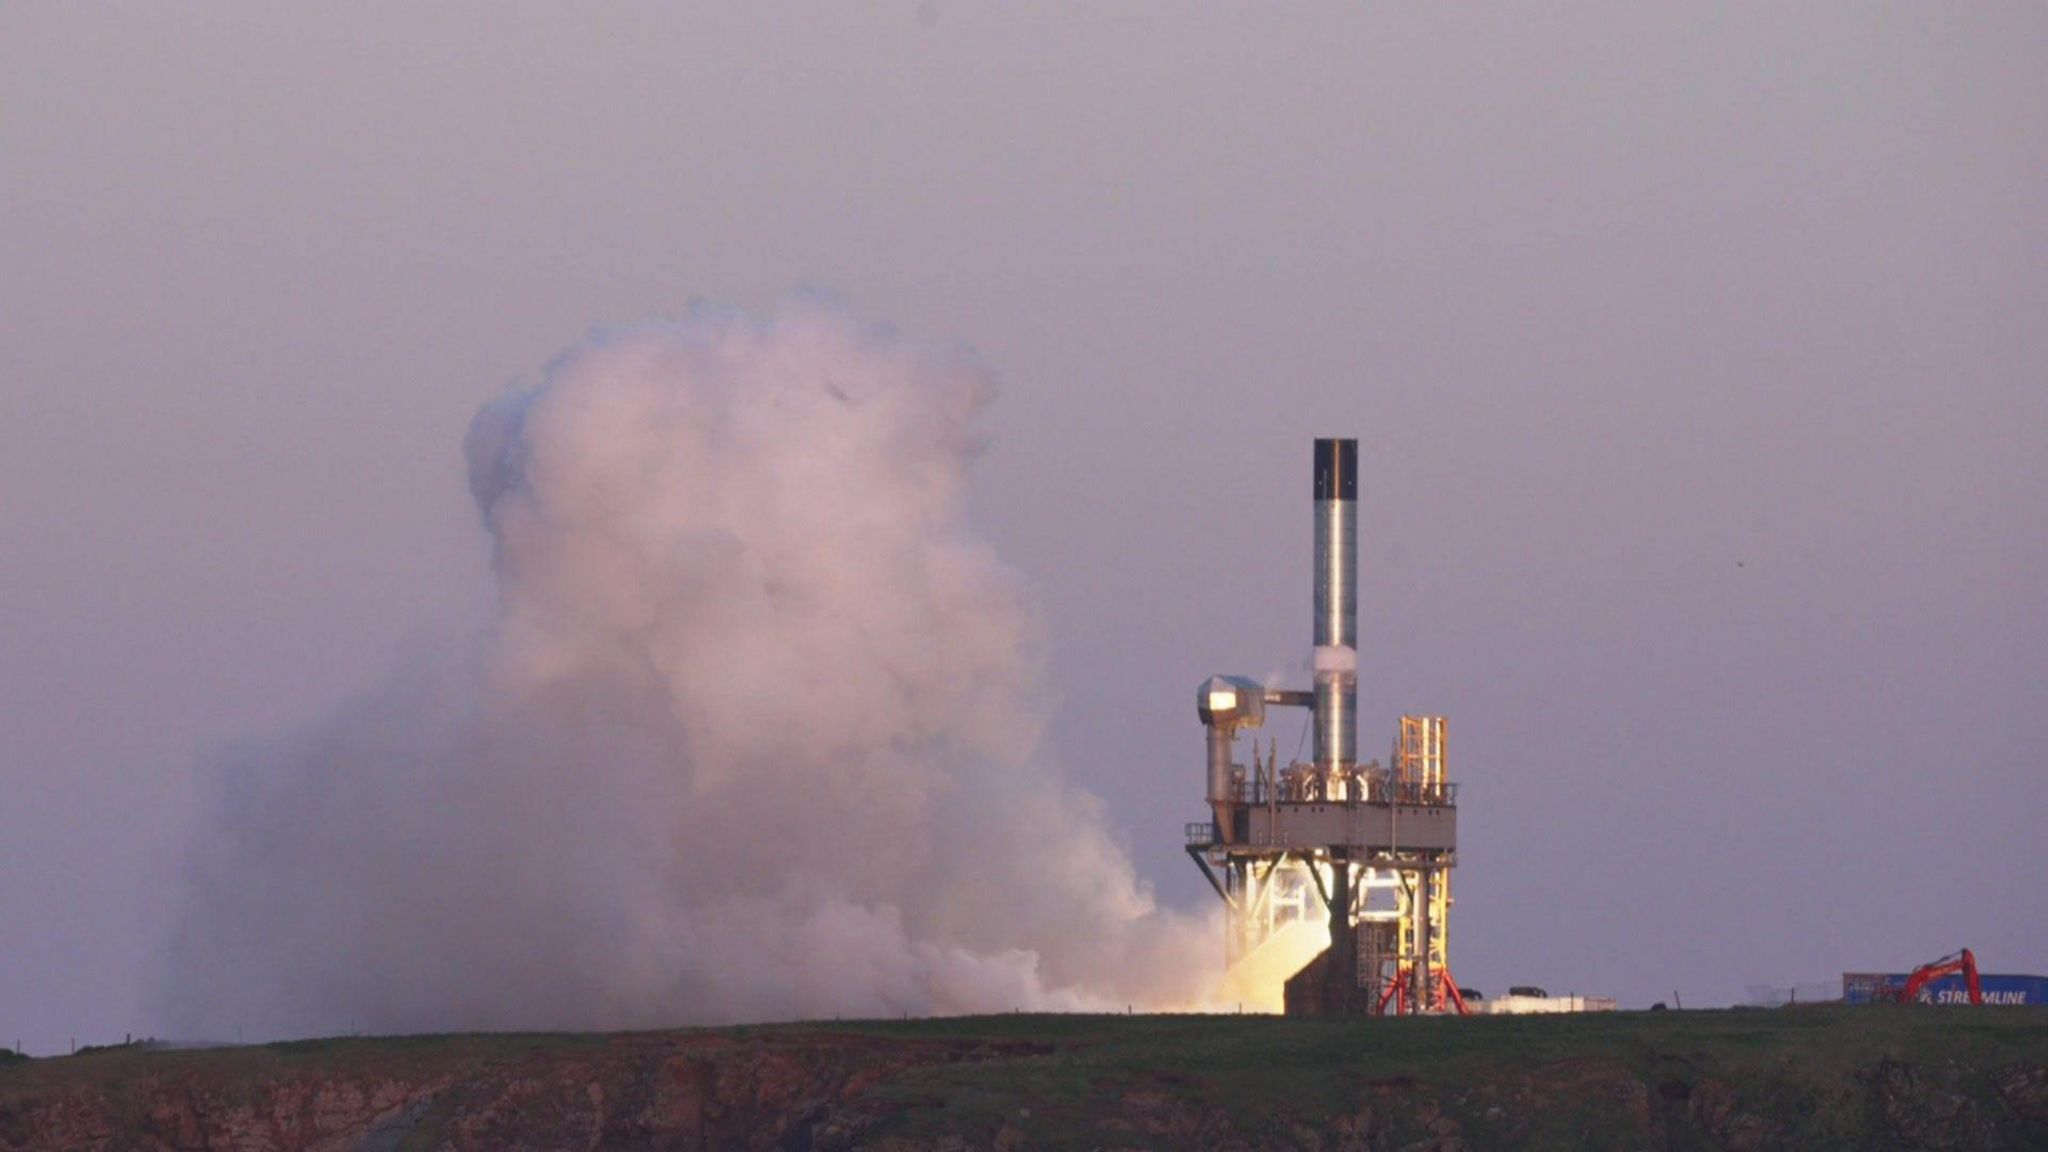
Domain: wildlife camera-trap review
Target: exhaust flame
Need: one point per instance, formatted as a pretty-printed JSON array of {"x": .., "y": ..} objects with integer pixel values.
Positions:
[{"x": 752, "y": 739}]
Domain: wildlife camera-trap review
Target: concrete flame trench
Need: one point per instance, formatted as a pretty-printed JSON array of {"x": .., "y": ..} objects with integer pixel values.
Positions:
[{"x": 1363, "y": 847}]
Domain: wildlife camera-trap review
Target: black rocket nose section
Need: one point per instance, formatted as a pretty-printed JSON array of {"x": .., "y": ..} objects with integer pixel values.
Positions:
[{"x": 1336, "y": 469}]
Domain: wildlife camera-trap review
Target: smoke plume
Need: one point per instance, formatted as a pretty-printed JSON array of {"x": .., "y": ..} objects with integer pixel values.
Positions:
[{"x": 753, "y": 737}]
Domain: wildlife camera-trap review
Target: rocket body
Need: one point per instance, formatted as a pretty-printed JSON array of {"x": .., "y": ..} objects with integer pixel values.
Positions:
[{"x": 1336, "y": 603}]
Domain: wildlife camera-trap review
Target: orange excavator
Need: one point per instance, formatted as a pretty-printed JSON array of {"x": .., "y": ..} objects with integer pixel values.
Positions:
[{"x": 1964, "y": 962}]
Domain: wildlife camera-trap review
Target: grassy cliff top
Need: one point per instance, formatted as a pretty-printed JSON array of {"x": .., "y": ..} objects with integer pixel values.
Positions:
[{"x": 1936, "y": 1077}]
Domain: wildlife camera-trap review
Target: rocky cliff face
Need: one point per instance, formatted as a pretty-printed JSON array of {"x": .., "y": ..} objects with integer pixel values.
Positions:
[
  {"x": 819, "y": 1090},
  {"x": 687, "y": 1092}
]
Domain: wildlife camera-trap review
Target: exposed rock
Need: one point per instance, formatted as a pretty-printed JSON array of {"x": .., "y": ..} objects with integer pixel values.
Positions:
[
  {"x": 651, "y": 1094},
  {"x": 1928, "y": 1111},
  {"x": 814, "y": 1091}
]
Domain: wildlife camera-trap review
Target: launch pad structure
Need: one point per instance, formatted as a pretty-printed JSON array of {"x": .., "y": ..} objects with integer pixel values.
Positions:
[{"x": 1365, "y": 848}]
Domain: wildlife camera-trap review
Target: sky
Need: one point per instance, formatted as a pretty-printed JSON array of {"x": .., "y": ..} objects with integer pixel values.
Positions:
[{"x": 1696, "y": 358}]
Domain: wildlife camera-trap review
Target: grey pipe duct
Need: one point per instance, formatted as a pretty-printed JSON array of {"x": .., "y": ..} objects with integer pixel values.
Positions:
[{"x": 1225, "y": 704}]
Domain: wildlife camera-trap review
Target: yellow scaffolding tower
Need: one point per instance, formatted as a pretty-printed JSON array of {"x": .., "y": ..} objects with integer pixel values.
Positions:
[{"x": 1423, "y": 898}]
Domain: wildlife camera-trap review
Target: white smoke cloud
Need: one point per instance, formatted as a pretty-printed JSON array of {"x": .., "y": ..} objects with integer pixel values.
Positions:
[{"x": 752, "y": 739}]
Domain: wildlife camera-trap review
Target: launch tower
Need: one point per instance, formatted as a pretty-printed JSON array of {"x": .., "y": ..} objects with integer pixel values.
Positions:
[{"x": 1365, "y": 850}]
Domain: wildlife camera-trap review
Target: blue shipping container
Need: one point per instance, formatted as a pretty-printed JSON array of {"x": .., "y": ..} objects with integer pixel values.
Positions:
[{"x": 1883, "y": 987}]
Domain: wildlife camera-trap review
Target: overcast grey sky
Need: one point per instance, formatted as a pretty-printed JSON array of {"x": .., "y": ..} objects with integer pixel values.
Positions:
[{"x": 1697, "y": 355}]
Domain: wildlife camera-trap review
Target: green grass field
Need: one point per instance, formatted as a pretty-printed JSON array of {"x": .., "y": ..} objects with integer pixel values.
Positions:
[
  {"x": 1797, "y": 1069},
  {"x": 1820, "y": 1076}
]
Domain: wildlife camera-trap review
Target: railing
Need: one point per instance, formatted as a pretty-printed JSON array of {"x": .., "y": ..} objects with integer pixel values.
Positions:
[
  {"x": 1302, "y": 785},
  {"x": 1200, "y": 834},
  {"x": 1426, "y": 795}
]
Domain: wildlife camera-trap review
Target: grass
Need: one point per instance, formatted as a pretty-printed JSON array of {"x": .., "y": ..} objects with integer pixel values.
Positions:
[
  {"x": 1796, "y": 1067},
  {"x": 1537, "y": 1081}
]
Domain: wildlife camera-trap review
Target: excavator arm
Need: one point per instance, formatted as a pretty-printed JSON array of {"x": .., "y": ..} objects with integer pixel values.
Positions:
[{"x": 1964, "y": 962}]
